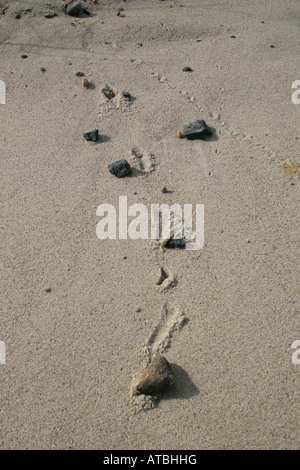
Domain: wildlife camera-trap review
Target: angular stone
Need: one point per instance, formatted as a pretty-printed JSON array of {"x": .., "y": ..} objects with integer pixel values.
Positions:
[
  {"x": 156, "y": 377},
  {"x": 187, "y": 69},
  {"x": 120, "y": 168},
  {"x": 92, "y": 135},
  {"x": 196, "y": 130},
  {"x": 74, "y": 9},
  {"x": 175, "y": 243}
]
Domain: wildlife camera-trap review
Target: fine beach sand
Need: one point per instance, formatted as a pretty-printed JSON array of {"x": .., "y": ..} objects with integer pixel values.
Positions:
[{"x": 72, "y": 353}]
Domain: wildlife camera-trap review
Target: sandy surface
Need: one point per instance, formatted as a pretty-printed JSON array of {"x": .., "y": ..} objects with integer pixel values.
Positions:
[{"x": 72, "y": 353}]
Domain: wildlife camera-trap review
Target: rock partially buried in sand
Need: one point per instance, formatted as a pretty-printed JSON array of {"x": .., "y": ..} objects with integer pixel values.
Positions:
[
  {"x": 86, "y": 83},
  {"x": 120, "y": 169},
  {"x": 175, "y": 243},
  {"x": 92, "y": 135},
  {"x": 156, "y": 377},
  {"x": 196, "y": 130},
  {"x": 74, "y": 9}
]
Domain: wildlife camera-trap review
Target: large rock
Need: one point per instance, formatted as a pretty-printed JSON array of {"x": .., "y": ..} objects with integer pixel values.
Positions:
[
  {"x": 196, "y": 130},
  {"x": 74, "y": 9},
  {"x": 175, "y": 243},
  {"x": 156, "y": 377},
  {"x": 120, "y": 168},
  {"x": 92, "y": 135}
]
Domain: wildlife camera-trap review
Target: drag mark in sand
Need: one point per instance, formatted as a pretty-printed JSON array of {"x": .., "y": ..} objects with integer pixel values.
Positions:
[
  {"x": 112, "y": 99},
  {"x": 172, "y": 319},
  {"x": 144, "y": 161},
  {"x": 166, "y": 279}
]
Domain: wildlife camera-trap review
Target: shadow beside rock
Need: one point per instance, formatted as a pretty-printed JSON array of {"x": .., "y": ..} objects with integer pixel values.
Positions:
[{"x": 184, "y": 388}]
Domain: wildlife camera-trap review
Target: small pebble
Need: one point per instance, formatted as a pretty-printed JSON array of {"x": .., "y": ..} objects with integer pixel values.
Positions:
[
  {"x": 92, "y": 135},
  {"x": 48, "y": 290},
  {"x": 187, "y": 69},
  {"x": 164, "y": 190},
  {"x": 79, "y": 74},
  {"x": 126, "y": 95},
  {"x": 51, "y": 14},
  {"x": 43, "y": 69},
  {"x": 24, "y": 56},
  {"x": 138, "y": 310}
]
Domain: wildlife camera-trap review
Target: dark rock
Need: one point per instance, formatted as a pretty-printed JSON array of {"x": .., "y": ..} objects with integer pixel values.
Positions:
[
  {"x": 187, "y": 69},
  {"x": 92, "y": 135},
  {"x": 196, "y": 130},
  {"x": 79, "y": 74},
  {"x": 126, "y": 95},
  {"x": 43, "y": 69},
  {"x": 108, "y": 92},
  {"x": 74, "y": 9},
  {"x": 175, "y": 243},
  {"x": 156, "y": 377},
  {"x": 120, "y": 168},
  {"x": 24, "y": 56},
  {"x": 48, "y": 290}
]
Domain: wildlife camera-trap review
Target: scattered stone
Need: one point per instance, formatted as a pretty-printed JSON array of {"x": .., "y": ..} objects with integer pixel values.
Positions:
[
  {"x": 272, "y": 46},
  {"x": 42, "y": 69},
  {"x": 92, "y": 135},
  {"x": 233, "y": 37},
  {"x": 138, "y": 310},
  {"x": 126, "y": 95},
  {"x": 74, "y": 9},
  {"x": 18, "y": 16},
  {"x": 24, "y": 56},
  {"x": 175, "y": 243},
  {"x": 86, "y": 83},
  {"x": 180, "y": 135},
  {"x": 79, "y": 74},
  {"x": 50, "y": 14},
  {"x": 156, "y": 377},
  {"x": 196, "y": 130},
  {"x": 48, "y": 290},
  {"x": 120, "y": 168},
  {"x": 108, "y": 92},
  {"x": 187, "y": 69},
  {"x": 164, "y": 190}
]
